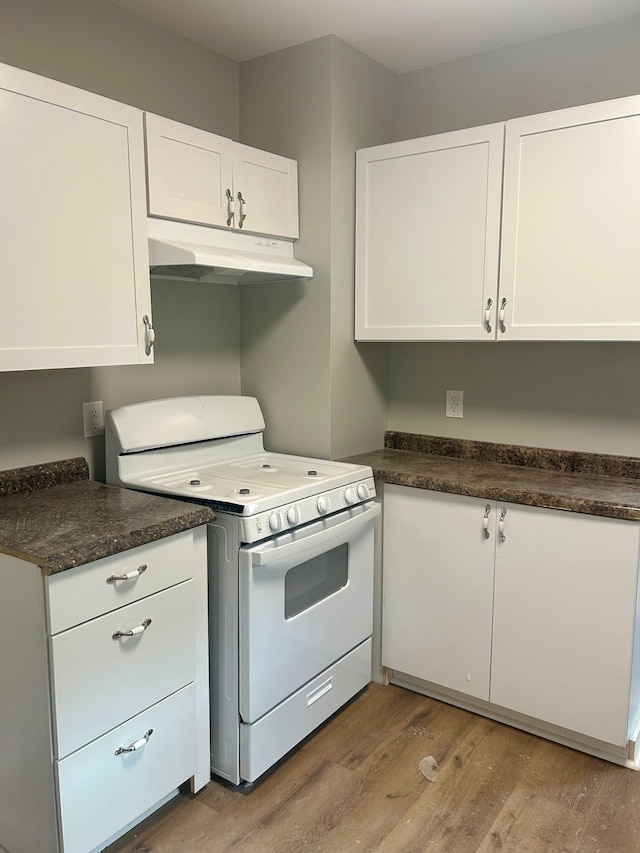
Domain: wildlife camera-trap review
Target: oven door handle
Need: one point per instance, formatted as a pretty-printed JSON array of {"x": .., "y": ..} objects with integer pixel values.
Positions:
[{"x": 321, "y": 540}]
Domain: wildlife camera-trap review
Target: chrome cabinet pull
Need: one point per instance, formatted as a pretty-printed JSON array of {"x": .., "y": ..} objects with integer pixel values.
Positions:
[
  {"x": 243, "y": 209},
  {"x": 149, "y": 333},
  {"x": 503, "y": 305},
  {"x": 501, "y": 525},
  {"x": 137, "y": 744},
  {"x": 130, "y": 576},
  {"x": 485, "y": 521},
  {"x": 231, "y": 207},
  {"x": 487, "y": 315},
  {"x": 139, "y": 629}
]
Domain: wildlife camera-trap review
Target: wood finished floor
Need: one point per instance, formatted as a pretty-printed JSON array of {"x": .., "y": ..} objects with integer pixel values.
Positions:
[{"x": 355, "y": 786}]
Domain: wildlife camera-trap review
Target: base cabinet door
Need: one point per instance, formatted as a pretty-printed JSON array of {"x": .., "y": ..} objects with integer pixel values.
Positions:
[
  {"x": 438, "y": 588},
  {"x": 427, "y": 237},
  {"x": 564, "y": 617},
  {"x": 73, "y": 235}
]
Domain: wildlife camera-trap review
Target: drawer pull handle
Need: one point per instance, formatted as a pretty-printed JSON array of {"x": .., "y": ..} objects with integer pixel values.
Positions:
[
  {"x": 130, "y": 576},
  {"x": 320, "y": 691},
  {"x": 138, "y": 744},
  {"x": 139, "y": 629}
]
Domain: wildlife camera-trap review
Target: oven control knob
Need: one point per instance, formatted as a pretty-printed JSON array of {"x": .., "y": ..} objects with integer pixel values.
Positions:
[
  {"x": 324, "y": 505},
  {"x": 363, "y": 491},
  {"x": 350, "y": 495},
  {"x": 293, "y": 515},
  {"x": 275, "y": 521}
]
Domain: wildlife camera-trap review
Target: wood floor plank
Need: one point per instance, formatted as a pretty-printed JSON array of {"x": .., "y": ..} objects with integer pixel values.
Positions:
[{"x": 355, "y": 786}]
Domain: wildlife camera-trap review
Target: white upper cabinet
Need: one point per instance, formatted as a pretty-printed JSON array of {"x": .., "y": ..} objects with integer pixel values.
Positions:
[
  {"x": 188, "y": 172},
  {"x": 427, "y": 237},
  {"x": 428, "y": 231},
  {"x": 75, "y": 270},
  {"x": 196, "y": 176},
  {"x": 570, "y": 264}
]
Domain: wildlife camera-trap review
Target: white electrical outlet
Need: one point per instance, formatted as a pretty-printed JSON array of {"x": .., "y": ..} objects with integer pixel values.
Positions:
[
  {"x": 454, "y": 404},
  {"x": 93, "y": 418}
]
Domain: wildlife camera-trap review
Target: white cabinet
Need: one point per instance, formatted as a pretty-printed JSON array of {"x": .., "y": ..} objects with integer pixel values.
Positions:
[
  {"x": 113, "y": 655},
  {"x": 75, "y": 269},
  {"x": 431, "y": 228},
  {"x": 196, "y": 176},
  {"x": 571, "y": 217},
  {"x": 438, "y": 588},
  {"x": 427, "y": 236},
  {"x": 530, "y": 610},
  {"x": 564, "y": 619}
]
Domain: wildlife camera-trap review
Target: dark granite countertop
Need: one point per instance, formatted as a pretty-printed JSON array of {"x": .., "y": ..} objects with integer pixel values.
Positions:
[
  {"x": 54, "y": 516},
  {"x": 596, "y": 484}
]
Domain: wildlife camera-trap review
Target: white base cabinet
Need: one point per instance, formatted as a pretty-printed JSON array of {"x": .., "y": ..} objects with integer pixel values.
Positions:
[
  {"x": 536, "y": 619},
  {"x": 73, "y": 238},
  {"x": 196, "y": 176},
  {"x": 561, "y": 215},
  {"x": 105, "y": 707},
  {"x": 438, "y": 589}
]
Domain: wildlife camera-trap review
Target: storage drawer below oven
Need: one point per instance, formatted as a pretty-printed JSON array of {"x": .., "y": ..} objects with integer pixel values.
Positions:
[
  {"x": 270, "y": 738},
  {"x": 101, "y": 791}
]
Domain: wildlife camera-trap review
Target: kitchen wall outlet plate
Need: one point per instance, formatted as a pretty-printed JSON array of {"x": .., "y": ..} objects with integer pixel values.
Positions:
[
  {"x": 454, "y": 404},
  {"x": 93, "y": 418}
]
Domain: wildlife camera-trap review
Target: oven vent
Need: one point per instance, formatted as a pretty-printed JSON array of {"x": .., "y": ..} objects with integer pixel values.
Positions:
[{"x": 179, "y": 250}]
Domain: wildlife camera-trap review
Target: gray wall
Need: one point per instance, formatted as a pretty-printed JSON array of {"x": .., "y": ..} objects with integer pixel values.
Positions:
[
  {"x": 566, "y": 395},
  {"x": 100, "y": 47},
  {"x": 321, "y": 393},
  {"x": 317, "y": 102},
  {"x": 285, "y": 106}
]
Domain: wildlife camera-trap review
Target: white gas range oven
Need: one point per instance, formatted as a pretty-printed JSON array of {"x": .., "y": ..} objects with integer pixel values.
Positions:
[{"x": 290, "y": 568}]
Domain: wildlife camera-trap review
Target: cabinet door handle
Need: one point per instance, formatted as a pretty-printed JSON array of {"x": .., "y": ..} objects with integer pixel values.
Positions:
[
  {"x": 139, "y": 629},
  {"x": 243, "y": 209},
  {"x": 130, "y": 576},
  {"x": 503, "y": 536},
  {"x": 503, "y": 305},
  {"x": 485, "y": 521},
  {"x": 149, "y": 333},
  {"x": 231, "y": 207},
  {"x": 487, "y": 315},
  {"x": 137, "y": 744}
]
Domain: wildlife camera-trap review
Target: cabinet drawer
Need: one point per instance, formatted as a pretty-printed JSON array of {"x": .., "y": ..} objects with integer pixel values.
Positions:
[
  {"x": 99, "y": 681},
  {"x": 100, "y": 792},
  {"x": 79, "y": 594}
]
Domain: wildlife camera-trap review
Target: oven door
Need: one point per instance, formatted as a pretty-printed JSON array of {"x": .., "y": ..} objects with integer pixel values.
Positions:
[{"x": 306, "y": 599}]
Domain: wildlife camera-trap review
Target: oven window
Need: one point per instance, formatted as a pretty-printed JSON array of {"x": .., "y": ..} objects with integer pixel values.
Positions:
[{"x": 310, "y": 582}]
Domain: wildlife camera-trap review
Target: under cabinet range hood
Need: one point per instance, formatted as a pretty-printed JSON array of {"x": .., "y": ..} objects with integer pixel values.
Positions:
[{"x": 198, "y": 253}]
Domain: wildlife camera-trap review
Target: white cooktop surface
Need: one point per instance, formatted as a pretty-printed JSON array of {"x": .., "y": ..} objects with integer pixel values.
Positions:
[{"x": 254, "y": 483}]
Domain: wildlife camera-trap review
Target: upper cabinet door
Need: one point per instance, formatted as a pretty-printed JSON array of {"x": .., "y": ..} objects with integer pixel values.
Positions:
[
  {"x": 196, "y": 176},
  {"x": 189, "y": 173},
  {"x": 427, "y": 237},
  {"x": 75, "y": 270},
  {"x": 266, "y": 192},
  {"x": 570, "y": 263}
]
